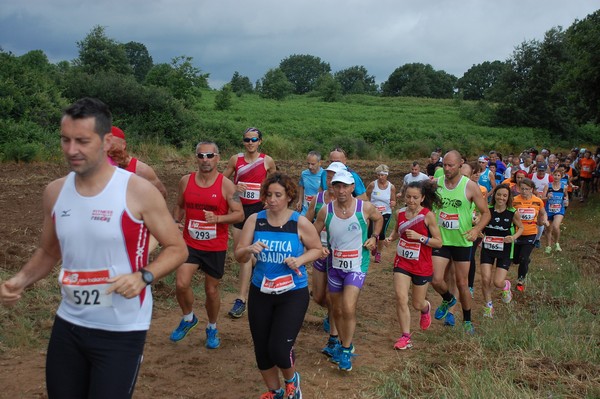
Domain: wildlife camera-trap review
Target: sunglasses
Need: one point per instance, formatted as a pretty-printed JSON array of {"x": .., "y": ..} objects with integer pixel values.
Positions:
[
  {"x": 251, "y": 139},
  {"x": 206, "y": 155}
]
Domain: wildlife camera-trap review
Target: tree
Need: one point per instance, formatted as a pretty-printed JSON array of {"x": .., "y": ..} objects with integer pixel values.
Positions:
[
  {"x": 182, "y": 79},
  {"x": 139, "y": 58},
  {"x": 303, "y": 71},
  {"x": 98, "y": 53},
  {"x": 356, "y": 80},
  {"x": 240, "y": 84},
  {"x": 275, "y": 85},
  {"x": 419, "y": 80},
  {"x": 329, "y": 89},
  {"x": 479, "y": 81},
  {"x": 223, "y": 100}
]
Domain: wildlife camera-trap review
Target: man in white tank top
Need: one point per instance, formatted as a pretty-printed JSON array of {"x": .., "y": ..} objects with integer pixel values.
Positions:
[{"x": 98, "y": 220}]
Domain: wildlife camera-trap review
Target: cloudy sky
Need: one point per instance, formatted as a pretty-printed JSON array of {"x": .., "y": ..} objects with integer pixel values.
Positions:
[{"x": 251, "y": 37}]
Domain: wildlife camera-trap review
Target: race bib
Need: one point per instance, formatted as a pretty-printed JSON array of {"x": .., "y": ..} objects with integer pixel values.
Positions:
[
  {"x": 380, "y": 208},
  {"x": 324, "y": 238},
  {"x": 449, "y": 221},
  {"x": 308, "y": 198},
  {"x": 554, "y": 208},
  {"x": 586, "y": 168},
  {"x": 348, "y": 260},
  {"x": 527, "y": 214},
  {"x": 277, "y": 285},
  {"x": 201, "y": 230},
  {"x": 86, "y": 287},
  {"x": 493, "y": 243},
  {"x": 252, "y": 191},
  {"x": 408, "y": 250}
]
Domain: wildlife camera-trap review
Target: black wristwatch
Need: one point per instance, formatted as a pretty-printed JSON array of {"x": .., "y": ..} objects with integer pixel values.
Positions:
[{"x": 147, "y": 276}]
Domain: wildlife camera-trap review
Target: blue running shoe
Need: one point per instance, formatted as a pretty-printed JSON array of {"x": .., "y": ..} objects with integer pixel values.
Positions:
[
  {"x": 442, "y": 310},
  {"x": 469, "y": 328},
  {"x": 337, "y": 353},
  {"x": 238, "y": 309},
  {"x": 345, "y": 362},
  {"x": 329, "y": 350},
  {"x": 292, "y": 389},
  {"x": 326, "y": 326},
  {"x": 183, "y": 329},
  {"x": 449, "y": 321},
  {"x": 212, "y": 338}
]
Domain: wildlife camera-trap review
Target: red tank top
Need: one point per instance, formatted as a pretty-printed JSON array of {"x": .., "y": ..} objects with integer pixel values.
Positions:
[
  {"x": 197, "y": 233},
  {"x": 253, "y": 175},
  {"x": 411, "y": 255},
  {"x": 132, "y": 165}
]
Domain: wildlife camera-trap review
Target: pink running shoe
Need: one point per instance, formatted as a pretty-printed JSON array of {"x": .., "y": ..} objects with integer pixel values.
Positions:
[
  {"x": 403, "y": 342},
  {"x": 426, "y": 318},
  {"x": 378, "y": 257}
]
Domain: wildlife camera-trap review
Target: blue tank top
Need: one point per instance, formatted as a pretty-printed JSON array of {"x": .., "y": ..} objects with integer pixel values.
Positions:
[
  {"x": 484, "y": 180},
  {"x": 555, "y": 204},
  {"x": 282, "y": 243}
]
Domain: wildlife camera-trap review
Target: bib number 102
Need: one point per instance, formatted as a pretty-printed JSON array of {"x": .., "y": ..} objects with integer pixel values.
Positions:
[{"x": 86, "y": 297}]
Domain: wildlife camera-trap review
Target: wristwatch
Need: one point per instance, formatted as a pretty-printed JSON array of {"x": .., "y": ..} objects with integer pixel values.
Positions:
[
  {"x": 422, "y": 239},
  {"x": 147, "y": 276}
]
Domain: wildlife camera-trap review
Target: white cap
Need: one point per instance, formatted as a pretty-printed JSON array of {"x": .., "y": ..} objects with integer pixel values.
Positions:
[
  {"x": 336, "y": 167},
  {"x": 343, "y": 176}
]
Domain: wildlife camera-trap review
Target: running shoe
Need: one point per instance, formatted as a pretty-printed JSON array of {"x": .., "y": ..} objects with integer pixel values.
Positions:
[
  {"x": 520, "y": 285},
  {"x": 184, "y": 327},
  {"x": 403, "y": 342},
  {"x": 449, "y": 321},
  {"x": 506, "y": 293},
  {"x": 442, "y": 310},
  {"x": 425, "y": 321},
  {"x": 292, "y": 389},
  {"x": 273, "y": 395},
  {"x": 337, "y": 353},
  {"x": 238, "y": 309},
  {"x": 374, "y": 251},
  {"x": 548, "y": 250},
  {"x": 212, "y": 338},
  {"x": 472, "y": 292},
  {"x": 331, "y": 347},
  {"x": 537, "y": 244},
  {"x": 378, "y": 257},
  {"x": 469, "y": 328},
  {"x": 557, "y": 248},
  {"x": 326, "y": 326},
  {"x": 488, "y": 311},
  {"x": 345, "y": 360}
]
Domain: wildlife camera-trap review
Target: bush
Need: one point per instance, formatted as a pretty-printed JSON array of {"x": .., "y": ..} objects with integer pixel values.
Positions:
[{"x": 19, "y": 151}]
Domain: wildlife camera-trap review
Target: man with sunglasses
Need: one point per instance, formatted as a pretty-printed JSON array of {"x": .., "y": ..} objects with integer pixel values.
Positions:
[
  {"x": 249, "y": 169},
  {"x": 208, "y": 202}
]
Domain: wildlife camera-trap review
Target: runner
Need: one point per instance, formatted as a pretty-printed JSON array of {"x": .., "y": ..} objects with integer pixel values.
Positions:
[
  {"x": 97, "y": 220},
  {"x": 486, "y": 179},
  {"x": 418, "y": 232},
  {"x": 248, "y": 169},
  {"x": 339, "y": 155},
  {"x": 310, "y": 181},
  {"x": 587, "y": 166},
  {"x": 120, "y": 156},
  {"x": 415, "y": 174},
  {"x": 458, "y": 234},
  {"x": 498, "y": 240},
  {"x": 346, "y": 220},
  {"x": 206, "y": 203},
  {"x": 320, "y": 266},
  {"x": 558, "y": 200},
  {"x": 531, "y": 210},
  {"x": 434, "y": 164},
  {"x": 282, "y": 241},
  {"x": 382, "y": 195}
]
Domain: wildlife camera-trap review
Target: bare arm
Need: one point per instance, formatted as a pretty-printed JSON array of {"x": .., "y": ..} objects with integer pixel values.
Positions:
[
  {"x": 146, "y": 203},
  {"x": 375, "y": 217},
  {"x": 270, "y": 165},
  {"x": 474, "y": 194},
  {"x": 519, "y": 225},
  {"x": 45, "y": 257},
  {"x": 146, "y": 171},
  {"x": 230, "y": 168},
  {"x": 312, "y": 245},
  {"x": 393, "y": 196},
  {"x": 310, "y": 212},
  {"x": 236, "y": 212},
  {"x": 300, "y": 198},
  {"x": 245, "y": 249},
  {"x": 370, "y": 188},
  {"x": 178, "y": 208}
]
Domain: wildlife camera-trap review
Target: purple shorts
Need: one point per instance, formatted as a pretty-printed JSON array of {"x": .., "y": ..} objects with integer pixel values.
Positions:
[
  {"x": 337, "y": 279},
  {"x": 322, "y": 264}
]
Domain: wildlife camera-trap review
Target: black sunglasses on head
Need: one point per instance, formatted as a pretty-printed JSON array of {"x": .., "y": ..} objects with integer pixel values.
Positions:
[
  {"x": 206, "y": 155},
  {"x": 251, "y": 139}
]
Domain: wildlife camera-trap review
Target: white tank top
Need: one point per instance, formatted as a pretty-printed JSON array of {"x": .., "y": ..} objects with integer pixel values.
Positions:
[
  {"x": 99, "y": 239},
  {"x": 380, "y": 198},
  {"x": 540, "y": 183}
]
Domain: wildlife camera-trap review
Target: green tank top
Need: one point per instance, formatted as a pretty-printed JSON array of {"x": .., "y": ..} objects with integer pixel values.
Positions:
[{"x": 455, "y": 215}]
